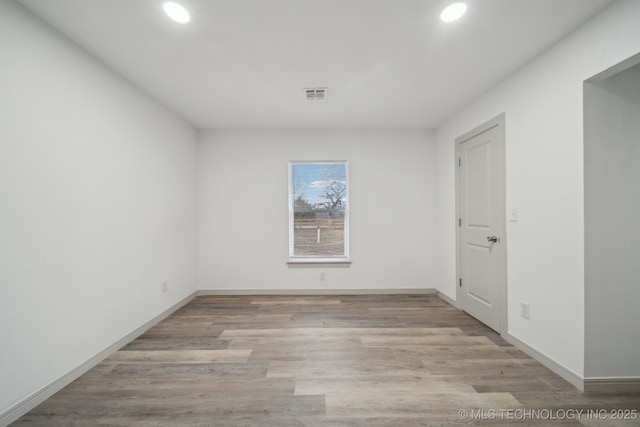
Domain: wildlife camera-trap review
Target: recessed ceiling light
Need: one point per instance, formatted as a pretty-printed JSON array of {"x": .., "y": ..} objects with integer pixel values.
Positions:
[
  {"x": 453, "y": 12},
  {"x": 177, "y": 12}
]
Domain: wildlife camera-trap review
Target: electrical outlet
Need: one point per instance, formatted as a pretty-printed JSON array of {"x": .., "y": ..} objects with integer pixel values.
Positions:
[
  {"x": 524, "y": 310},
  {"x": 165, "y": 286},
  {"x": 323, "y": 276}
]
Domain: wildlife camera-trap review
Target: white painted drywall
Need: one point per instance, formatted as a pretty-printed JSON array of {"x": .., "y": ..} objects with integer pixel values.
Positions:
[
  {"x": 545, "y": 249},
  {"x": 612, "y": 229},
  {"x": 97, "y": 206},
  {"x": 243, "y": 213}
]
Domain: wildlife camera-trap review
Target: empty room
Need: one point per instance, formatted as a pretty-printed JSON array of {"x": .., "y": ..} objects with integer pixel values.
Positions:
[{"x": 319, "y": 213}]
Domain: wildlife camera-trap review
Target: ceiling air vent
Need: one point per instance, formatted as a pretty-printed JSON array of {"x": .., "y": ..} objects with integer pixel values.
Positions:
[{"x": 315, "y": 93}]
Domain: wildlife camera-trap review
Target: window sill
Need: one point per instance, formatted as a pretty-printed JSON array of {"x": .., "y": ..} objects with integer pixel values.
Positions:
[{"x": 316, "y": 262}]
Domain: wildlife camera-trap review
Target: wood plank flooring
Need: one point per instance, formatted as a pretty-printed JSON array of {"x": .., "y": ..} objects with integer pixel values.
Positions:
[{"x": 312, "y": 361}]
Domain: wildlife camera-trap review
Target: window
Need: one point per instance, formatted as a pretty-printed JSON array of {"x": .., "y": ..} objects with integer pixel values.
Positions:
[{"x": 318, "y": 212}]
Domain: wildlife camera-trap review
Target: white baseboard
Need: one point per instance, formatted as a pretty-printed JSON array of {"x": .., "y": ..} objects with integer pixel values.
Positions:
[
  {"x": 30, "y": 402},
  {"x": 608, "y": 384},
  {"x": 574, "y": 379},
  {"x": 448, "y": 300},
  {"x": 612, "y": 384},
  {"x": 231, "y": 292}
]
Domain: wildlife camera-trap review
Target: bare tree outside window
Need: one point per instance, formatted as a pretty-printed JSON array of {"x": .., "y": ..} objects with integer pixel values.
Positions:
[{"x": 318, "y": 215}]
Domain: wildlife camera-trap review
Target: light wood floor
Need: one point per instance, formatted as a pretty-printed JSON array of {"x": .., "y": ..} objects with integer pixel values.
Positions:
[{"x": 366, "y": 360}]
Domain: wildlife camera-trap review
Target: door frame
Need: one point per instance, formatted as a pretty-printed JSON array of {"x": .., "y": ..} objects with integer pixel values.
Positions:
[{"x": 498, "y": 122}]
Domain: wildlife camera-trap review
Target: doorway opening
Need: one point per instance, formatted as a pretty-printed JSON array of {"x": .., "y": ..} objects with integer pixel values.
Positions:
[{"x": 612, "y": 230}]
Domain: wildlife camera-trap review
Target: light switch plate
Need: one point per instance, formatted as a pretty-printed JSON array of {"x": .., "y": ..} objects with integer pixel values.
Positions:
[
  {"x": 525, "y": 310},
  {"x": 513, "y": 215}
]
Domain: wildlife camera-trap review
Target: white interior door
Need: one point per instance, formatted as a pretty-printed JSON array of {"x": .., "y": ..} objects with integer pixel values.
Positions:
[{"x": 481, "y": 224}]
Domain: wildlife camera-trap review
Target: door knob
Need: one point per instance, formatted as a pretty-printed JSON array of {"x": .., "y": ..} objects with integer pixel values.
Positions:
[{"x": 493, "y": 239}]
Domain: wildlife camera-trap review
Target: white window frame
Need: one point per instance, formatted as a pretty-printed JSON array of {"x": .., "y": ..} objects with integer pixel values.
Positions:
[{"x": 329, "y": 260}]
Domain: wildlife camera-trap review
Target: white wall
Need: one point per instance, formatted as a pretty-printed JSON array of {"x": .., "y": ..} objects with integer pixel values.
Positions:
[
  {"x": 97, "y": 206},
  {"x": 243, "y": 216},
  {"x": 545, "y": 249},
  {"x": 612, "y": 229}
]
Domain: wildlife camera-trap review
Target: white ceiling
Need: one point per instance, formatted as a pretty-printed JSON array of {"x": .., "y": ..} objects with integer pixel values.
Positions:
[{"x": 242, "y": 64}]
